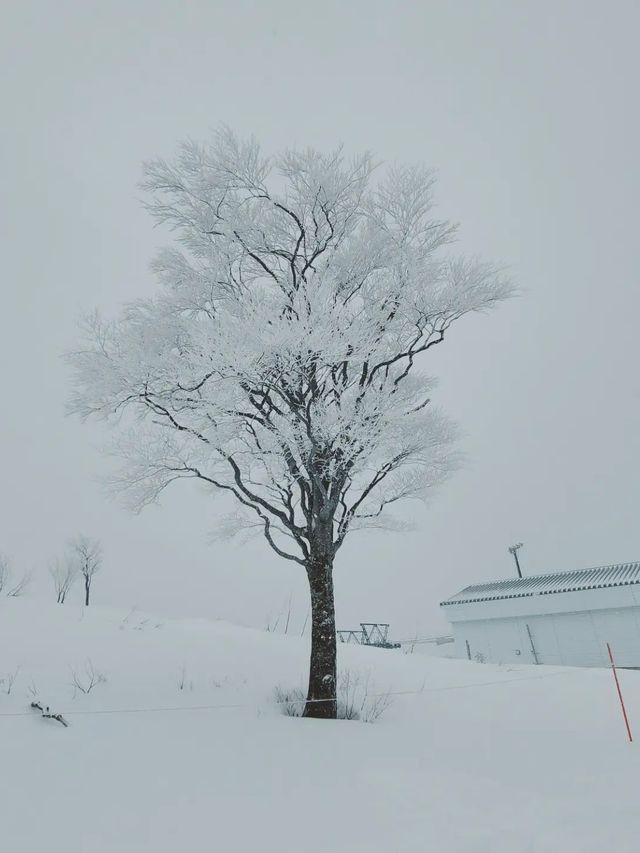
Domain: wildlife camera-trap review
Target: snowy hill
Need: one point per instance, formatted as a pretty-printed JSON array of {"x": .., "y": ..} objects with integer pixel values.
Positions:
[{"x": 180, "y": 746}]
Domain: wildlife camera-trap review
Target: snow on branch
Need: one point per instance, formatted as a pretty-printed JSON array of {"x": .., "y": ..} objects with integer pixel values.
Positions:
[{"x": 282, "y": 360}]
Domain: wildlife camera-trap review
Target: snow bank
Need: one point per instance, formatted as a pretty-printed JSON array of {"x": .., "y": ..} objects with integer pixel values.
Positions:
[{"x": 181, "y": 746}]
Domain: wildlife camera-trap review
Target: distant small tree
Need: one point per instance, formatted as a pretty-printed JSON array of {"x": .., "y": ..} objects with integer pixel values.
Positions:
[
  {"x": 88, "y": 555},
  {"x": 9, "y": 586},
  {"x": 5, "y": 573},
  {"x": 64, "y": 574}
]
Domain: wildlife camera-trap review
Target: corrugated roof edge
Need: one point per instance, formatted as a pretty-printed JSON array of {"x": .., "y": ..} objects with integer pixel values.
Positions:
[{"x": 529, "y": 581}]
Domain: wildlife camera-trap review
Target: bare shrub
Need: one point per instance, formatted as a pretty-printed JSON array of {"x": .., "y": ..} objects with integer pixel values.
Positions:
[
  {"x": 5, "y": 572},
  {"x": 125, "y": 621},
  {"x": 272, "y": 625},
  {"x": 85, "y": 679},
  {"x": 19, "y": 587},
  {"x": 357, "y": 699},
  {"x": 184, "y": 682},
  {"x": 291, "y": 701},
  {"x": 375, "y": 706},
  {"x": 141, "y": 623},
  {"x": 7, "y": 681},
  {"x": 9, "y": 585}
]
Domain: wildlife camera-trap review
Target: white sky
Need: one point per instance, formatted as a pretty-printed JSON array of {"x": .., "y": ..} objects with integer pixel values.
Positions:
[{"x": 528, "y": 110}]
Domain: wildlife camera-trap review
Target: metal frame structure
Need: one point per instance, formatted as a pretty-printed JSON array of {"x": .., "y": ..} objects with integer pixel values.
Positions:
[{"x": 370, "y": 634}]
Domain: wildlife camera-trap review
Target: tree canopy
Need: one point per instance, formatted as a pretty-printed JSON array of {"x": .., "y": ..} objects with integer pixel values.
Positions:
[{"x": 281, "y": 360}]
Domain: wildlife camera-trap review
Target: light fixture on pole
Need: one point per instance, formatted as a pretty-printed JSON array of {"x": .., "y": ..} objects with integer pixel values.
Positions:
[{"x": 513, "y": 549}]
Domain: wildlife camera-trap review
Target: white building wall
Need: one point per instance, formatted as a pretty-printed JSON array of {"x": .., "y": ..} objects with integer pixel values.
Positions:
[
  {"x": 544, "y": 638},
  {"x": 570, "y": 628},
  {"x": 491, "y": 641},
  {"x": 568, "y": 639},
  {"x": 560, "y": 638}
]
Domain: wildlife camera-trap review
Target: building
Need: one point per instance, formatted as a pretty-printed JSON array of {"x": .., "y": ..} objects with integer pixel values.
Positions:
[{"x": 562, "y": 619}]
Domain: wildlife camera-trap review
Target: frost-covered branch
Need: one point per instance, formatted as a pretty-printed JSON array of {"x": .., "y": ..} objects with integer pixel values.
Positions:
[{"x": 283, "y": 360}]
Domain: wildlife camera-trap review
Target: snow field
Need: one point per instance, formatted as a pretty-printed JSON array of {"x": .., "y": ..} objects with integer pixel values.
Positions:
[{"x": 468, "y": 758}]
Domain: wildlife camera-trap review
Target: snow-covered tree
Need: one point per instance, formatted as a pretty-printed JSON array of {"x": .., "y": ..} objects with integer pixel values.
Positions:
[
  {"x": 86, "y": 553},
  {"x": 281, "y": 361},
  {"x": 64, "y": 573}
]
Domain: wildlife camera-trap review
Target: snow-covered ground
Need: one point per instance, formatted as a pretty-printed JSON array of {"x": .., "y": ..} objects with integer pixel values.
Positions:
[{"x": 468, "y": 758}]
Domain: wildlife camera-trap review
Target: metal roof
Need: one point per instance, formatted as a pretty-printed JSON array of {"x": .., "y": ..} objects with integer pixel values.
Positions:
[{"x": 621, "y": 574}]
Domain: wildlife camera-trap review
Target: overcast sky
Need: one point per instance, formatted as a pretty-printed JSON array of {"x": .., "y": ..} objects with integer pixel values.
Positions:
[{"x": 529, "y": 112}]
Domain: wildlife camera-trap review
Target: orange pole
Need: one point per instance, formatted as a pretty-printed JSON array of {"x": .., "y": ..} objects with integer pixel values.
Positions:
[{"x": 624, "y": 710}]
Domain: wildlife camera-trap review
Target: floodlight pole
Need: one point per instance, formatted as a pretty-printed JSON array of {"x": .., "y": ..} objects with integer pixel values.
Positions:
[
  {"x": 515, "y": 555},
  {"x": 513, "y": 549}
]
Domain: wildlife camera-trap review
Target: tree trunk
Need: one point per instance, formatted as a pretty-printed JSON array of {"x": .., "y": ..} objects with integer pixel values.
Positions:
[
  {"x": 87, "y": 587},
  {"x": 321, "y": 697}
]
